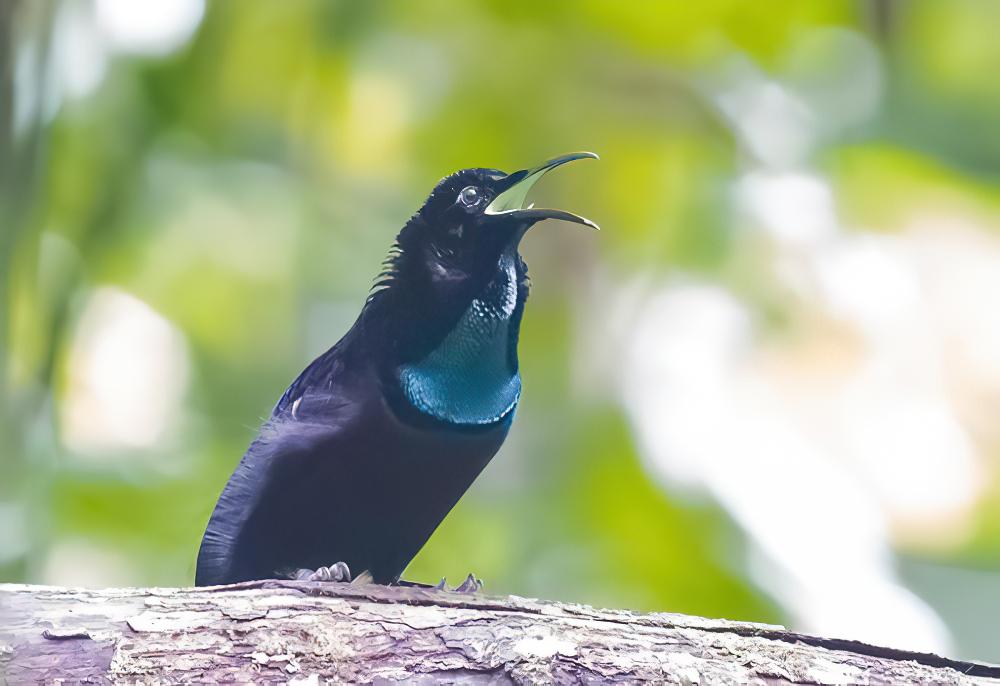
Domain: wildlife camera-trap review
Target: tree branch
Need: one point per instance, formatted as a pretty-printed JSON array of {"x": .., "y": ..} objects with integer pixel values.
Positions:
[{"x": 279, "y": 631}]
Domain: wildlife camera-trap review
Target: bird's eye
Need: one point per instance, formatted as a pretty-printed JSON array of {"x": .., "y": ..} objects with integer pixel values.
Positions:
[{"x": 469, "y": 196}]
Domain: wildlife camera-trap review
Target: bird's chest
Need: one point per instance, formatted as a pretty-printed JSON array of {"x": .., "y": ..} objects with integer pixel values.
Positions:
[{"x": 471, "y": 377}]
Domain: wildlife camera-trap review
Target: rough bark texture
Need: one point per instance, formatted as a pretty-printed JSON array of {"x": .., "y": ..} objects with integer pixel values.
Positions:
[{"x": 303, "y": 632}]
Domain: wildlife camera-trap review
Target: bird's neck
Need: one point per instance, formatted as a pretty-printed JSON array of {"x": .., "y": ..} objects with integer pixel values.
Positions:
[{"x": 471, "y": 377}]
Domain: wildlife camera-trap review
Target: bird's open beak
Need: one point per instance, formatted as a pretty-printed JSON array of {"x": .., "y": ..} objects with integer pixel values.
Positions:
[{"x": 510, "y": 201}]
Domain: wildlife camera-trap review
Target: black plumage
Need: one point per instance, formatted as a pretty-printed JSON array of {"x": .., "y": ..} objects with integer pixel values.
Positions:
[{"x": 372, "y": 445}]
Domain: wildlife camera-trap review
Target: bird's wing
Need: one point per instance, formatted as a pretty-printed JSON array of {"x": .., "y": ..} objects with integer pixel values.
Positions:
[
  {"x": 241, "y": 496},
  {"x": 274, "y": 467},
  {"x": 308, "y": 420},
  {"x": 318, "y": 381}
]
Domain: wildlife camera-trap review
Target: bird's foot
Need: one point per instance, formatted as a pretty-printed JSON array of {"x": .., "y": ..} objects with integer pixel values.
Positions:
[
  {"x": 472, "y": 584},
  {"x": 338, "y": 571}
]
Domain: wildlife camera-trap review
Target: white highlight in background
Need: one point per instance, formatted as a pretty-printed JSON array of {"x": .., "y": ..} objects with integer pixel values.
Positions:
[
  {"x": 128, "y": 370},
  {"x": 149, "y": 27}
]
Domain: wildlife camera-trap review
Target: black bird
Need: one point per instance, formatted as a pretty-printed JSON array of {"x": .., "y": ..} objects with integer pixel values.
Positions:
[{"x": 374, "y": 443}]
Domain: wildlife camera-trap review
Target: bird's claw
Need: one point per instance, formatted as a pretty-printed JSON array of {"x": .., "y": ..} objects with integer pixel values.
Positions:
[
  {"x": 470, "y": 585},
  {"x": 338, "y": 571}
]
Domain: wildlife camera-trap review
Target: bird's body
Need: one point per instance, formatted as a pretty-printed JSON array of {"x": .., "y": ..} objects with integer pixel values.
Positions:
[
  {"x": 374, "y": 443},
  {"x": 338, "y": 475}
]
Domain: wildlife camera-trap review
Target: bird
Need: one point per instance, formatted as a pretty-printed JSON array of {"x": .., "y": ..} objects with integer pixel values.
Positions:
[{"x": 378, "y": 438}]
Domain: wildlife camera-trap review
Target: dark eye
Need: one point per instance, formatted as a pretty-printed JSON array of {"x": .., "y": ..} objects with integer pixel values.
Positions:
[{"x": 469, "y": 196}]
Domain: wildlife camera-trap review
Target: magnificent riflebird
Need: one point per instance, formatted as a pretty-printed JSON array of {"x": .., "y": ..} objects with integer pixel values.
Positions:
[{"x": 374, "y": 443}]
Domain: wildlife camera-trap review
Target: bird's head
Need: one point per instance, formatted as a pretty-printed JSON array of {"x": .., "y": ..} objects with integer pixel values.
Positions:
[
  {"x": 473, "y": 216},
  {"x": 453, "y": 244},
  {"x": 459, "y": 248}
]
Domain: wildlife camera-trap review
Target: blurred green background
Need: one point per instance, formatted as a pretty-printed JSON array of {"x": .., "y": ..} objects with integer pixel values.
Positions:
[{"x": 195, "y": 197}]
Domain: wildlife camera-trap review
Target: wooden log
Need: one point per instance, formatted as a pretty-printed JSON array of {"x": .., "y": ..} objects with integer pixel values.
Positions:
[{"x": 313, "y": 633}]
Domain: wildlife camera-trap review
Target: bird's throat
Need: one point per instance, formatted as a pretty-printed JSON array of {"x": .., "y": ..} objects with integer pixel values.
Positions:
[{"x": 469, "y": 378}]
